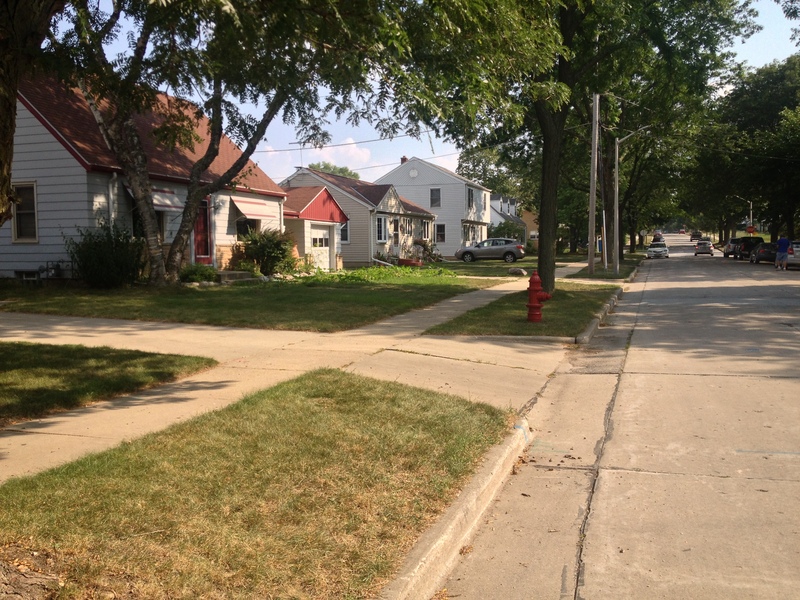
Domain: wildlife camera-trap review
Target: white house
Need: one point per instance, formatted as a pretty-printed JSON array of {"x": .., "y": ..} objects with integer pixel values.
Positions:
[
  {"x": 461, "y": 206},
  {"x": 380, "y": 222},
  {"x": 67, "y": 177},
  {"x": 504, "y": 210}
]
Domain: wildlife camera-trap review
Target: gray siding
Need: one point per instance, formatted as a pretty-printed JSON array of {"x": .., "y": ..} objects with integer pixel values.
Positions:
[{"x": 63, "y": 198}]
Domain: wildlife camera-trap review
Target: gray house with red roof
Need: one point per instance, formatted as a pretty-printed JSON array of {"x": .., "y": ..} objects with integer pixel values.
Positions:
[
  {"x": 67, "y": 178},
  {"x": 380, "y": 223}
]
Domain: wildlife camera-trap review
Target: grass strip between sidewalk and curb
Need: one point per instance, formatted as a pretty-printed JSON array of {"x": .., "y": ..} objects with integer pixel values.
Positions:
[
  {"x": 626, "y": 269},
  {"x": 38, "y": 379},
  {"x": 566, "y": 314},
  {"x": 315, "y": 488}
]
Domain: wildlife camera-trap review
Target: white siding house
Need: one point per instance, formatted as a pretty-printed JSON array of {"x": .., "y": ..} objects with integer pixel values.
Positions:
[
  {"x": 504, "y": 210},
  {"x": 461, "y": 206},
  {"x": 67, "y": 178}
]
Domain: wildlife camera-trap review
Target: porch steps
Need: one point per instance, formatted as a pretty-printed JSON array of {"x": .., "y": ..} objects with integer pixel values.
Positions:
[{"x": 230, "y": 276}]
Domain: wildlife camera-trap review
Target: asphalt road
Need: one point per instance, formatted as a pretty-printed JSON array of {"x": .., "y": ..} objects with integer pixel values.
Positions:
[{"x": 666, "y": 460}]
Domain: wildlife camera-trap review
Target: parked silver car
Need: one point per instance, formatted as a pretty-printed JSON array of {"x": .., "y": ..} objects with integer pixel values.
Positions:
[
  {"x": 501, "y": 248},
  {"x": 658, "y": 250},
  {"x": 794, "y": 254}
]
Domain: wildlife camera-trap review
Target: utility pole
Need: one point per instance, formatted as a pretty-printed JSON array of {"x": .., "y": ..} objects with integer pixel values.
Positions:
[{"x": 593, "y": 182}]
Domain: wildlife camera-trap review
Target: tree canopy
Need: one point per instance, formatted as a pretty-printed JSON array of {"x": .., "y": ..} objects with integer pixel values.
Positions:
[{"x": 328, "y": 167}]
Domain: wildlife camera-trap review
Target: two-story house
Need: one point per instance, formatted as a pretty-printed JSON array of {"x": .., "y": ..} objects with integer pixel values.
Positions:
[{"x": 461, "y": 206}]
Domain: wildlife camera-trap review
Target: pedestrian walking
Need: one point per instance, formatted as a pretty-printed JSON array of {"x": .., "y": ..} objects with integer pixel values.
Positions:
[{"x": 782, "y": 256}]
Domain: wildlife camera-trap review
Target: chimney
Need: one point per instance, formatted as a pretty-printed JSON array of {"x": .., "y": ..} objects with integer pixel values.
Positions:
[{"x": 403, "y": 160}]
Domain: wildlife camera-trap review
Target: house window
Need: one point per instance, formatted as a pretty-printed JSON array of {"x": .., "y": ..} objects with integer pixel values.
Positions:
[
  {"x": 426, "y": 230},
  {"x": 245, "y": 226},
  {"x": 345, "y": 232},
  {"x": 320, "y": 242},
  {"x": 24, "y": 214},
  {"x": 381, "y": 236},
  {"x": 396, "y": 232},
  {"x": 470, "y": 198},
  {"x": 436, "y": 198},
  {"x": 440, "y": 233}
]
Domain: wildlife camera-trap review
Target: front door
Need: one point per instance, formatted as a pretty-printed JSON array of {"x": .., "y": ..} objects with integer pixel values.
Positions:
[{"x": 203, "y": 246}]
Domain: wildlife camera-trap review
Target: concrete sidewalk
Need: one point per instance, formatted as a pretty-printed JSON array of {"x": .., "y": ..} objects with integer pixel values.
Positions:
[{"x": 505, "y": 372}]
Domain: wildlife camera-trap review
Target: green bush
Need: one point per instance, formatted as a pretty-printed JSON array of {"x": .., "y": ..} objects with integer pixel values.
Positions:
[
  {"x": 270, "y": 249},
  {"x": 197, "y": 273},
  {"x": 107, "y": 256}
]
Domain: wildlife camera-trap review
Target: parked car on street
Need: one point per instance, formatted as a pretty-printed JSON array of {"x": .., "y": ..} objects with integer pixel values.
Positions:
[
  {"x": 695, "y": 236},
  {"x": 746, "y": 246},
  {"x": 704, "y": 247},
  {"x": 764, "y": 252},
  {"x": 658, "y": 250},
  {"x": 730, "y": 247},
  {"x": 794, "y": 255},
  {"x": 501, "y": 248}
]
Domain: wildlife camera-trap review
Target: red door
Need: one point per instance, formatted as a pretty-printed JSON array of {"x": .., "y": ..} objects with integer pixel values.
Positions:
[{"x": 203, "y": 248}]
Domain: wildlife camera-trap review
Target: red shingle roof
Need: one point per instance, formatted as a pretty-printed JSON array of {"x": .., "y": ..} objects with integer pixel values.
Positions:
[{"x": 65, "y": 113}]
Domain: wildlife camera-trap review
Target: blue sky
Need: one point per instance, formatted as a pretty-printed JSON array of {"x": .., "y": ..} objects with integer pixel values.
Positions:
[{"x": 372, "y": 157}]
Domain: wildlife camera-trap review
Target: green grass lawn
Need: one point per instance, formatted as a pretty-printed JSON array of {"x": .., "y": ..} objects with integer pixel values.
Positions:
[
  {"x": 315, "y": 488},
  {"x": 566, "y": 314},
  {"x": 37, "y": 379},
  {"x": 626, "y": 269},
  {"x": 329, "y": 303}
]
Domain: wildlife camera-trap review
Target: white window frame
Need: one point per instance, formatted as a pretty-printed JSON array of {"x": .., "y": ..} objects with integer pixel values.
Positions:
[
  {"x": 439, "y": 199},
  {"x": 14, "y": 233},
  {"x": 344, "y": 232},
  {"x": 381, "y": 232},
  {"x": 470, "y": 198},
  {"x": 444, "y": 236},
  {"x": 426, "y": 230}
]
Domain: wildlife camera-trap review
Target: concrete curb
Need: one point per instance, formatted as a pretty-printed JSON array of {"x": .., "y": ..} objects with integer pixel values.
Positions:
[
  {"x": 595, "y": 323},
  {"x": 437, "y": 551}
]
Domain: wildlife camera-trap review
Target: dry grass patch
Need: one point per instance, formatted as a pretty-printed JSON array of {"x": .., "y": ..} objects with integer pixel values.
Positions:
[{"x": 315, "y": 488}]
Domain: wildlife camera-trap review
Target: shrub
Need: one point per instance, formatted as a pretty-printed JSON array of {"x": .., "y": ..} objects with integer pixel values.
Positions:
[
  {"x": 197, "y": 273},
  {"x": 246, "y": 265},
  {"x": 269, "y": 249},
  {"x": 107, "y": 256}
]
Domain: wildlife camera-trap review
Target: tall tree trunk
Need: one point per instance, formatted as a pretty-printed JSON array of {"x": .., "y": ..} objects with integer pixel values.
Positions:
[
  {"x": 119, "y": 132},
  {"x": 9, "y": 84},
  {"x": 552, "y": 125},
  {"x": 23, "y": 27}
]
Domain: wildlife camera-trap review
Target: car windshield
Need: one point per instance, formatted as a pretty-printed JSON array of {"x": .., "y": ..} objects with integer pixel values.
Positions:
[{"x": 658, "y": 245}]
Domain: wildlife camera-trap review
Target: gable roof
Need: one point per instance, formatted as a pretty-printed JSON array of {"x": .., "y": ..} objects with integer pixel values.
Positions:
[
  {"x": 447, "y": 172},
  {"x": 313, "y": 203},
  {"x": 369, "y": 193},
  {"x": 66, "y": 114}
]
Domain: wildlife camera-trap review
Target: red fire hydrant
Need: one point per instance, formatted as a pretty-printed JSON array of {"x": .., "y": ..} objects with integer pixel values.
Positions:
[{"x": 534, "y": 300}]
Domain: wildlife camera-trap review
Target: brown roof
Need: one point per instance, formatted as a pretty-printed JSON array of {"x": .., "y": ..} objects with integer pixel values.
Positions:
[
  {"x": 299, "y": 198},
  {"x": 65, "y": 113},
  {"x": 371, "y": 193}
]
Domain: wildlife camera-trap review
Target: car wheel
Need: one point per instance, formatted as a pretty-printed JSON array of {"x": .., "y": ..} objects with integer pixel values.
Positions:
[
  {"x": 695, "y": 253},
  {"x": 468, "y": 257},
  {"x": 509, "y": 257},
  {"x": 725, "y": 254}
]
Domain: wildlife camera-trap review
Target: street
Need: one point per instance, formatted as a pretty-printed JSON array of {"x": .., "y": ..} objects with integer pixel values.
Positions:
[{"x": 666, "y": 453}]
